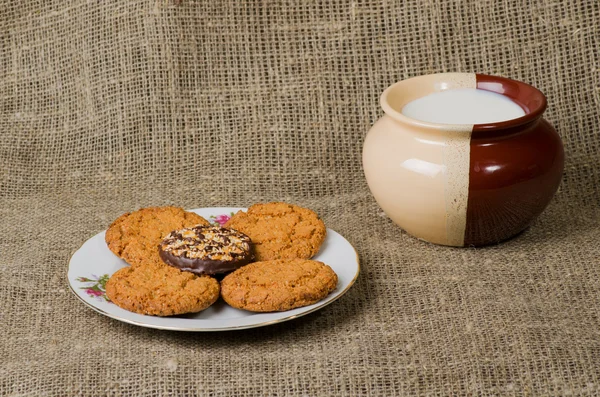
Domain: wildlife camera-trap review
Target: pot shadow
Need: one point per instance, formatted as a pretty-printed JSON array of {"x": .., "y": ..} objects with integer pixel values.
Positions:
[{"x": 556, "y": 223}]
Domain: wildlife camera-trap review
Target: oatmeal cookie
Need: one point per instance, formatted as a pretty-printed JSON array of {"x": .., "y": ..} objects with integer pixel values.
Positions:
[
  {"x": 135, "y": 236},
  {"x": 280, "y": 230},
  {"x": 278, "y": 285},
  {"x": 161, "y": 290},
  {"x": 206, "y": 249}
]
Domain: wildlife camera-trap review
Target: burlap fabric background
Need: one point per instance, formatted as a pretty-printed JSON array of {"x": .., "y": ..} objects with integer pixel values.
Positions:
[{"x": 107, "y": 106}]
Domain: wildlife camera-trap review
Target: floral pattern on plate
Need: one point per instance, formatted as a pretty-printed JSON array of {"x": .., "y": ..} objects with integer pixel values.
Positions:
[
  {"x": 96, "y": 287},
  {"x": 220, "y": 220}
]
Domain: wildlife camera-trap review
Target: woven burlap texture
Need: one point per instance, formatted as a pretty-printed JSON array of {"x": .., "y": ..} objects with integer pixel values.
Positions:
[{"x": 110, "y": 106}]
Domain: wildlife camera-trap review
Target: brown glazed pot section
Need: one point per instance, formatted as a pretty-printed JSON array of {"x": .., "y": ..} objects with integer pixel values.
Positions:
[{"x": 515, "y": 166}]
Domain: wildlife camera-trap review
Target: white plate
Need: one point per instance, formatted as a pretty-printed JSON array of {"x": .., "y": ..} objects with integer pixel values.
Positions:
[{"x": 93, "y": 264}]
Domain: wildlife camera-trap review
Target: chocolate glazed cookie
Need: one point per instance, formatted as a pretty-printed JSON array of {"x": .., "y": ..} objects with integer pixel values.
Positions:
[{"x": 206, "y": 249}]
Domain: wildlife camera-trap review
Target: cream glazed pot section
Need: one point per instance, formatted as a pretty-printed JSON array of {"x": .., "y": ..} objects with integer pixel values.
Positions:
[{"x": 418, "y": 172}]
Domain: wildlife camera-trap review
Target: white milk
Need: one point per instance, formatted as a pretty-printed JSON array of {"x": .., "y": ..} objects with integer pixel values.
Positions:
[{"x": 463, "y": 106}]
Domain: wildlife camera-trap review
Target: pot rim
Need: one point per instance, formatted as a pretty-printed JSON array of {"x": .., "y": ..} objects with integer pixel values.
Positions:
[{"x": 530, "y": 99}]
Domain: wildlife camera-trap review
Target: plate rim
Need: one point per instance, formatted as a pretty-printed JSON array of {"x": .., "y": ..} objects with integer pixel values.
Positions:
[{"x": 219, "y": 329}]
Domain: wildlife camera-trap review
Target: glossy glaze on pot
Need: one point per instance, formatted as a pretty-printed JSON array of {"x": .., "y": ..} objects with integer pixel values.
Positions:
[{"x": 462, "y": 185}]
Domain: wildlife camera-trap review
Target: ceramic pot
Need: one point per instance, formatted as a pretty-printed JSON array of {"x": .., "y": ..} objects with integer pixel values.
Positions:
[{"x": 462, "y": 185}]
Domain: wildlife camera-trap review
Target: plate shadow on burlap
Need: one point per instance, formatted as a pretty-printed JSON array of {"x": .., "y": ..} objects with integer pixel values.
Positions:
[{"x": 314, "y": 324}]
